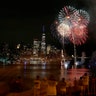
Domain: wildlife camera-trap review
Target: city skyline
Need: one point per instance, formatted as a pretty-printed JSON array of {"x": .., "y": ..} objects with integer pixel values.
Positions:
[{"x": 20, "y": 23}]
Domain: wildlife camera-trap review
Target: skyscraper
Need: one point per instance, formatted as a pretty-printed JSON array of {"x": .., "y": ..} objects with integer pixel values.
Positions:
[
  {"x": 43, "y": 42},
  {"x": 36, "y": 46}
]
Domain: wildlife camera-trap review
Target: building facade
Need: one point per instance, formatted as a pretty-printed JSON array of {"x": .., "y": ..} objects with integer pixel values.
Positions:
[{"x": 43, "y": 43}]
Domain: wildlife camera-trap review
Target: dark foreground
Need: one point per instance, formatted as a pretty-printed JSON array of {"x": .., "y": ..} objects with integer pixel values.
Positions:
[{"x": 27, "y": 74}]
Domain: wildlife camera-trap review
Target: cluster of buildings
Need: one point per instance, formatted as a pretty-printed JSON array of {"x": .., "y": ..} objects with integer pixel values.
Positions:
[{"x": 38, "y": 48}]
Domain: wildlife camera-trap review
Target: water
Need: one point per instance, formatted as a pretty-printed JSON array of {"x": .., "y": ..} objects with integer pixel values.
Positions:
[
  {"x": 43, "y": 70},
  {"x": 56, "y": 70}
]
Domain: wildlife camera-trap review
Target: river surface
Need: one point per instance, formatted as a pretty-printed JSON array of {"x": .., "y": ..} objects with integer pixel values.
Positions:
[
  {"x": 43, "y": 70},
  {"x": 56, "y": 70}
]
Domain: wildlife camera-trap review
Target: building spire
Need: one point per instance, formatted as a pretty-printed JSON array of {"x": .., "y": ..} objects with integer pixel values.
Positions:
[
  {"x": 43, "y": 42},
  {"x": 43, "y": 28}
]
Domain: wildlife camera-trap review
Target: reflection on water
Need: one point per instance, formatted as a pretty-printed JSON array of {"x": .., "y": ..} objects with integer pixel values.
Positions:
[
  {"x": 76, "y": 73},
  {"x": 55, "y": 69},
  {"x": 62, "y": 72}
]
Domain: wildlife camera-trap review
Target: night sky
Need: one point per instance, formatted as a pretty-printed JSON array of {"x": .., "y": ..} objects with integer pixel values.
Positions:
[{"x": 23, "y": 21}]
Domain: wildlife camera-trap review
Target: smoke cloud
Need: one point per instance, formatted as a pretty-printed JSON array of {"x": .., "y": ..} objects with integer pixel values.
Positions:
[{"x": 91, "y": 7}]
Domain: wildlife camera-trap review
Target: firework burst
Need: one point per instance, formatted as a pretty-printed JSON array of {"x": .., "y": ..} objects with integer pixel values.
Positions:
[
  {"x": 65, "y": 13},
  {"x": 64, "y": 29},
  {"x": 79, "y": 34},
  {"x": 72, "y": 24},
  {"x": 58, "y": 31},
  {"x": 84, "y": 17}
]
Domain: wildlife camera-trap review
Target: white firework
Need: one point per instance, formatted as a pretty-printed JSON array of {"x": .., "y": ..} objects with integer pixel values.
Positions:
[
  {"x": 84, "y": 17},
  {"x": 64, "y": 29},
  {"x": 66, "y": 13}
]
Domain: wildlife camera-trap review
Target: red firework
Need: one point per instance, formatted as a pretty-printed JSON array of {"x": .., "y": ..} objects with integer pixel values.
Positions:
[{"x": 79, "y": 34}]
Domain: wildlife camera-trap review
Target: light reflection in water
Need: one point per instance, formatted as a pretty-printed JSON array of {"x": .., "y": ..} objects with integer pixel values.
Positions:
[
  {"x": 56, "y": 69},
  {"x": 62, "y": 72}
]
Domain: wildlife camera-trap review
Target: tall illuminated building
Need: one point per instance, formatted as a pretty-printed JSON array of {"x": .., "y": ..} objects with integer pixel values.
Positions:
[
  {"x": 48, "y": 49},
  {"x": 36, "y": 47},
  {"x": 43, "y": 42}
]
